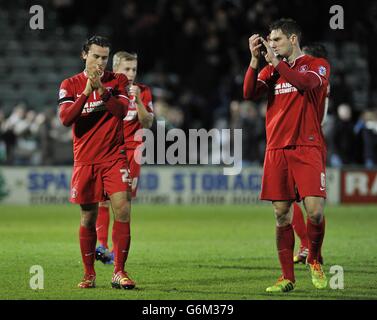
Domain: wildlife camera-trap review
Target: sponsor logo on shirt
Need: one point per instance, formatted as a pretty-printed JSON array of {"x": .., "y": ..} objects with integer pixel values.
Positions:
[
  {"x": 285, "y": 87},
  {"x": 95, "y": 106},
  {"x": 303, "y": 68}
]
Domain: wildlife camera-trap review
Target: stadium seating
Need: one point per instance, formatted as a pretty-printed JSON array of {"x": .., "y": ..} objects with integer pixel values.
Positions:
[
  {"x": 50, "y": 55},
  {"x": 36, "y": 62}
]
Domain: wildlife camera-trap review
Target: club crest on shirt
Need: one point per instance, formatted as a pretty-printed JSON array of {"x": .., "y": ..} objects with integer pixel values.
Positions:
[
  {"x": 62, "y": 93},
  {"x": 322, "y": 71},
  {"x": 303, "y": 68}
]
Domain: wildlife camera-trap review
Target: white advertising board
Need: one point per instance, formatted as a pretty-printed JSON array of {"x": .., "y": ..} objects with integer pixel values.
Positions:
[{"x": 157, "y": 185}]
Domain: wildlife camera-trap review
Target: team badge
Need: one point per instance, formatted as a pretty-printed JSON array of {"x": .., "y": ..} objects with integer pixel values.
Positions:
[
  {"x": 62, "y": 93},
  {"x": 322, "y": 71},
  {"x": 303, "y": 68}
]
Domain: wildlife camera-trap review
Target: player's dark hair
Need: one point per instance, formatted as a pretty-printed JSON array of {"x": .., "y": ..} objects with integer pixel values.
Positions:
[
  {"x": 288, "y": 27},
  {"x": 98, "y": 40},
  {"x": 317, "y": 50}
]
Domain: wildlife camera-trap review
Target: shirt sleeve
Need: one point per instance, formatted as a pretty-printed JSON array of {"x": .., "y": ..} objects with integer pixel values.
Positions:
[
  {"x": 321, "y": 68},
  {"x": 147, "y": 100},
  {"x": 69, "y": 108},
  {"x": 66, "y": 93},
  {"x": 121, "y": 91},
  {"x": 264, "y": 75},
  {"x": 303, "y": 81},
  {"x": 116, "y": 102},
  {"x": 254, "y": 85}
]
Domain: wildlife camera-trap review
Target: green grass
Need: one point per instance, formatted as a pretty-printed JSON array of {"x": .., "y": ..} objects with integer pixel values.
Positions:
[{"x": 197, "y": 252}]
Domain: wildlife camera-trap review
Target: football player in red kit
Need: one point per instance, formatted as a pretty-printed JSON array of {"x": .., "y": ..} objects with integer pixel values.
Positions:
[
  {"x": 94, "y": 102},
  {"x": 139, "y": 115},
  {"x": 296, "y": 86},
  {"x": 298, "y": 223}
]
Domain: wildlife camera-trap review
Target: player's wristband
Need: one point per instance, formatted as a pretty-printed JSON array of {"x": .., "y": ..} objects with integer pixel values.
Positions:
[{"x": 106, "y": 96}]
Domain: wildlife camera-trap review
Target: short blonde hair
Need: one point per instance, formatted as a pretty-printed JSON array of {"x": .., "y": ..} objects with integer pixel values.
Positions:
[{"x": 122, "y": 55}]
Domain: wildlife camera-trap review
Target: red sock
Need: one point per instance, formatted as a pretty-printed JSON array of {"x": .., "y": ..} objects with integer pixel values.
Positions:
[
  {"x": 88, "y": 239},
  {"x": 316, "y": 232},
  {"x": 121, "y": 244},
  {"x": 285, "y": 241},
  {"x": 299, "y": 226},
  {"x": 102, "y": 225}
]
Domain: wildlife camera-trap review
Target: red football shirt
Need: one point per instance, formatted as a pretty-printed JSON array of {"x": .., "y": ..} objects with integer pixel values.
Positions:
[
  {"x": 294, "y": 117},
  {"x": 131, "y": 122},
  {"x": 97, "y": 134}
]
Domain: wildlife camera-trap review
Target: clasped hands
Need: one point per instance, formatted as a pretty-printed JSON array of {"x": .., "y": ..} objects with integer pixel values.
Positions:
[{"x": 94, "y": 81}]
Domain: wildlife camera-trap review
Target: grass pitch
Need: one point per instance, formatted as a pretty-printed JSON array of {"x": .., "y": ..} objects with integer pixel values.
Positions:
[{"x": 197, "y": 252}]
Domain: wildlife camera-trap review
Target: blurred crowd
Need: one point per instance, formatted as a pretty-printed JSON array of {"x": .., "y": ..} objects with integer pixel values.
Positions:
[
  {"x": 28, "y": 137},
  {"x": 194, "y": 54}
]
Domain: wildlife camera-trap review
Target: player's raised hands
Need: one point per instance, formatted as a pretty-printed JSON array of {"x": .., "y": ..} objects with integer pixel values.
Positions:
[
  {"x": 269, "y": 53},
  {"x": 95, "y": 80},
  {"x": 255, "y": 45},
  {"x": 88, "y": 88}
]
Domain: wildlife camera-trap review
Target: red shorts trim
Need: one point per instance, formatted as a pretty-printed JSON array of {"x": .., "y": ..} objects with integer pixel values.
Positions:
[
  {"x": 94, "y": 183},
  {"x": 293, "y": 174}
]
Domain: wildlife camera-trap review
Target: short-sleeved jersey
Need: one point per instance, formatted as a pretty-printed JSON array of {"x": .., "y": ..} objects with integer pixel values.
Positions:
[
  {"x": 97, "y": 134},
  {"x": 294, "y": 117},
  {"x": 131, "y": 122}
]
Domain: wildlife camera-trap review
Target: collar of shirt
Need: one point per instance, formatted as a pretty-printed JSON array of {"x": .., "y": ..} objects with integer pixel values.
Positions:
[{"x": 291, "y": 65}]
